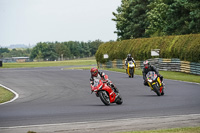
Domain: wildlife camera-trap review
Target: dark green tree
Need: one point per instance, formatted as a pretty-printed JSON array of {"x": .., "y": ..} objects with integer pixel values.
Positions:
[
  {"x": 39, "y": 51},
  {"x": 62, "y": 50},
  {"x": 145, "y": 18},
  {"x": 194, "y": 24},
  {"x": 85, "y": 50},
  {"x": 3, "y": 50},
  {"x": 94, "y": 45},
  {"x": 50, "y": 53},
  {"x": 183, "y": 17},
  {"x": 131, "y": 19},
  {"x": 157, "y": 16},
  {"x": 177, "y": 18}
]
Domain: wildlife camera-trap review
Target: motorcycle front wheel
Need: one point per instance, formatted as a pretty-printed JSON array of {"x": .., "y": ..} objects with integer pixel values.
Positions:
[
  {"x": 156, "y": 89},
  {"x": 119, "y": 100},
  {"x": 132, "y": 75},
  {"x": 131, "y": 72},
  {"x": 104, "y": 97}
]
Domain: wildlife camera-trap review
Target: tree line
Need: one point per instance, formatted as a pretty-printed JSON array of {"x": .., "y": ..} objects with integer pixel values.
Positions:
[
  {"x": 150, "y": 18},
  {"x": 50, "y": 51},
  {"x": 7, "y": 53}
]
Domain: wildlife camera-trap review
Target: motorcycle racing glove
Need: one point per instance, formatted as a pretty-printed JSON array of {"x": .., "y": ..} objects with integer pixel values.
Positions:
[{"x": 91, "y": 81}]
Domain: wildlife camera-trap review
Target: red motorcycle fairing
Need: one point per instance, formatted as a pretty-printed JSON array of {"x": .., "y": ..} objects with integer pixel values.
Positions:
[
  {"x": 102, "y": 86},
  {"x": 111, "y": 93}
]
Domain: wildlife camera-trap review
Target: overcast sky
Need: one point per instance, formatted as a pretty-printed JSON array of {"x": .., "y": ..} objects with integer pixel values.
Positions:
[{"x": 32, "y": 21}]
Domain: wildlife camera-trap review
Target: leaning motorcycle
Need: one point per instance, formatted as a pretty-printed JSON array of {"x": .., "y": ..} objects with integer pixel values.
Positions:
[
  {"x": 105, "y": 92},
  {"x": 155, "y": 83},
  {"x": 131, "y": 69}
]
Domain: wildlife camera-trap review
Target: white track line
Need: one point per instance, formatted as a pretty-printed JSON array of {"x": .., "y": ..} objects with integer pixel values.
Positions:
[
  {"x": 144, "y": 123},
  {"x": 16, "y": 94}
]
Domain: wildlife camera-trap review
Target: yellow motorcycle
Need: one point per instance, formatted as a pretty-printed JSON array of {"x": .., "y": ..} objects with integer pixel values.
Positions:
[
  {"x": 131, "y": 69},
  {"x": 155, "y": 83}
]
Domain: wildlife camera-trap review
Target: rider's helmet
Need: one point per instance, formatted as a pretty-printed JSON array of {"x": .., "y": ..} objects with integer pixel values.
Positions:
[
  {"x": 129, "y": 56},
  {"x": 94, "y": 71},
  {"x": 146, "y": 64}
]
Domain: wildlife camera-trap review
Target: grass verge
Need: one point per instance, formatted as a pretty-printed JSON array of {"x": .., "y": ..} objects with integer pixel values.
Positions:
[
  {"x": 5, "y": 95},
  {"x": 174, "y": 130},
  {"x": 80, "y": 68},
  {"x": 49, "y": 63},
  {"x": 166, "y": 74}
]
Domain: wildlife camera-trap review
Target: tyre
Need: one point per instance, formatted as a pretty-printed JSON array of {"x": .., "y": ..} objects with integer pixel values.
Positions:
[
  {"x": 119, "y": 100},
  {"x": 162, "y": 93},
  {"x": 131, "y": 72},
  {"x": 104, "y": 97},
  {"x": 156, "y": 89}
]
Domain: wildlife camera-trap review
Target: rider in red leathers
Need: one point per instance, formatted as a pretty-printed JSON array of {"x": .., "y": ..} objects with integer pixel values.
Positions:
[{"x": 100, "y": 75}]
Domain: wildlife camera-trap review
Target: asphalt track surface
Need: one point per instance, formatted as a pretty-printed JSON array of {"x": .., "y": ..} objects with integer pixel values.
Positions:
[{"x": 52, "y": 95}]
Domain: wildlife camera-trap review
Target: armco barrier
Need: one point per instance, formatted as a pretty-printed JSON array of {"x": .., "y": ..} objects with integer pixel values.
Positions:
[
  {"x": 173, "y": 64},
  {"x": 195, "y": 68},
  {"x": 185, "y": 66}
]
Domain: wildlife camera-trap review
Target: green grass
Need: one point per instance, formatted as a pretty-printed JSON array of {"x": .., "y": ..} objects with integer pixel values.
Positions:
[
  {"x": 49, "y": 63},
  {"x": 175, "y": 130},
  {"x": 5, "y": 95},
  {"x": 81, "y": 68},
  {"x": 166, "y": 74},
  {"x": 180, "y": 76},
  {"x": 31, "y": 132}
]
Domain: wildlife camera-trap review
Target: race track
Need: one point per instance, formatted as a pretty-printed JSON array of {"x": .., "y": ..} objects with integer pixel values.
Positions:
[{"x": 53, "y": 95}]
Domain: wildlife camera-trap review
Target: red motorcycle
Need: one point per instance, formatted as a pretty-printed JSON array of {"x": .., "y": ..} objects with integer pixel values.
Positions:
[{"x": 105, "y": 92}]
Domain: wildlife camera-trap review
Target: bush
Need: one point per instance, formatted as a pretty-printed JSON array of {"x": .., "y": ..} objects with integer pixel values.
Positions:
[{"x": 184, "y": 47}]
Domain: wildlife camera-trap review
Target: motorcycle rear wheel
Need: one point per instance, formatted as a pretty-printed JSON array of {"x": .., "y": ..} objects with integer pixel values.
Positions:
[{"x": 104, "y": 97}]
